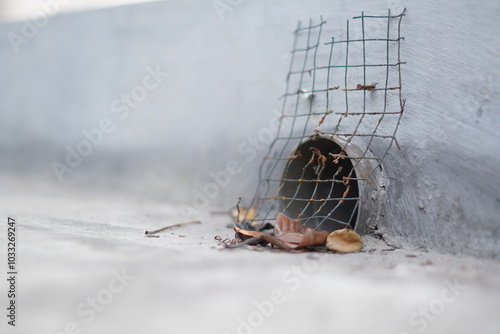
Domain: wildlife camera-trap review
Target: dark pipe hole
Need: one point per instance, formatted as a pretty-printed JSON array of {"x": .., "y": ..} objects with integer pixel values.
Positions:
[{"x": 310, "y": 177}]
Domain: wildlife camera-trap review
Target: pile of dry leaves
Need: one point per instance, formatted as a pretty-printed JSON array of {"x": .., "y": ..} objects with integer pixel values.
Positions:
[{"x": 290, "y": 234}]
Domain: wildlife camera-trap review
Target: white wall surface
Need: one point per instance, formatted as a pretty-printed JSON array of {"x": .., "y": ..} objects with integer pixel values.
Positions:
[
  {"x": 19, "y": 10},
  {"x": 225, "y": 78}
]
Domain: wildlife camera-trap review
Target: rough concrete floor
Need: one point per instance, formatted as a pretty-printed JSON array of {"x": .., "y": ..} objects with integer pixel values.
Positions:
[{"x": 73, "y": 243}]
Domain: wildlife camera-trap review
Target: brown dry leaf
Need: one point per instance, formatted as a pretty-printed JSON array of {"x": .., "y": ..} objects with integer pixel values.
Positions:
[
  {"x": 265, "y": 238},
  {"x": 245, "y": 214},
  {"x": 276, "y": 242},
  {"x": 313, "y": 238},
  {"x": 285, "y": 224},
  {"x": 344, "y": 241},
  {"x": 247, "y": 233},
  {"x": 289, "y": 231}
]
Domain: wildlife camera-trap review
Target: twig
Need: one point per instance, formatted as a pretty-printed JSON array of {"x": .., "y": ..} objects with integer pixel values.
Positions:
[
  {"x": 219, "y": 212},
  {"x": 238, "y": 208},
  {"x": 175, "y": 225},
  {"x": 250, "y": 241},
  {"x": 224, "y": 241}
]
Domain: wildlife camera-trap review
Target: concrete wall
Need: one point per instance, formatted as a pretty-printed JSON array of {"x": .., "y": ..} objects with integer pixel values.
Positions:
[{"x": 224, "y": 79}]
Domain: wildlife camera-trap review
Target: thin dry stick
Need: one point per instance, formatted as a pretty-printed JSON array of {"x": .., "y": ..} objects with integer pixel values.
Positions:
[
  {"x": 250, "y": 241},
  {"x": 171, "y": 226},
  {"x": 219, "y": 212},
  {"x": 238, "y": 208}
]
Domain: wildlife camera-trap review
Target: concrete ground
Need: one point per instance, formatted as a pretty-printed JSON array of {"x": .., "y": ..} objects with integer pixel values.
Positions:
[{"x": 86, "y": 266}]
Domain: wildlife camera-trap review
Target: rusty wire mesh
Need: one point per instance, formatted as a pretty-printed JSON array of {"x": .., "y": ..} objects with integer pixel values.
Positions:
[{"x": 303, "y": 175}]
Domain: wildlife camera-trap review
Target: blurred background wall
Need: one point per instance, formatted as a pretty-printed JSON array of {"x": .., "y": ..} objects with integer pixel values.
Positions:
[
  {"x": 64, "y": 75},
  {"x": 17, "y": 10}
]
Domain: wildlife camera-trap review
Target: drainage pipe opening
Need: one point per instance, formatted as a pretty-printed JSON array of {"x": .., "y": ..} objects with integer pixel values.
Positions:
[
  {"x": 320, "y": 186},
  {"x": 332, "y": 183}
]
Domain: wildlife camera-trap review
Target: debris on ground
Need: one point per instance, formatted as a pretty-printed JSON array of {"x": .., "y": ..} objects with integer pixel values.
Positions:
[
  {"x": 286, "y": 234},
  {"x": 295, "y": 235},
  {"x": 291, "y": 235},
  {"x": 242, "y": 214},
  {"x": 344, "y": 241},
  {"x": 246, "y": 217},
  {"x": 171, "y": 226}
]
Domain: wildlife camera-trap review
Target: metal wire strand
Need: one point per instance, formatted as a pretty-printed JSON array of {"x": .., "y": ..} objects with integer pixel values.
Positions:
[{"x": 330, "y": 183}]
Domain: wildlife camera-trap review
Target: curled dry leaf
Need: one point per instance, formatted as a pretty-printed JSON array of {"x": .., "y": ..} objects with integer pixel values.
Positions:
[
  {"x": 290, "y": 232},
  {"x": 256, "y": 237},
  {"x": 344, "y": 241},
  {"x": 313, "y": 238},
  {"x": 288, "y": 235},
  {"x": 245, "y": 234}
]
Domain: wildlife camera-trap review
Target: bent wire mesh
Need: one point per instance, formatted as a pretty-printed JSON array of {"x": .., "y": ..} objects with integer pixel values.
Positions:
[{"x": 340, "y": 114}]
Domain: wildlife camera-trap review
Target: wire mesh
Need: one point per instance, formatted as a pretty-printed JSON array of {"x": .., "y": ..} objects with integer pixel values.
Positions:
[{"x": 342, "y": 88}]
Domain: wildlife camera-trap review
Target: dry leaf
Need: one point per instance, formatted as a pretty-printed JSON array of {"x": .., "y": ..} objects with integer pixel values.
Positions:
[
  {"x": 264, "y": 238},
  {"x": 290, "y": 231},
  {"x": 246, "y": 233},
  {"x": 285, "y": 224},
  {"x": 245, "y": 214},
  {"x": 276, "y": 242},
  {"x": 313, "y": 238},
  {"x": 344, "y": 241}
]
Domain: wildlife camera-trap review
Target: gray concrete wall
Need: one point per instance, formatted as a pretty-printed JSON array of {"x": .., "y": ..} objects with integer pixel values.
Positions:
[{"x": 225, "y": 77}]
